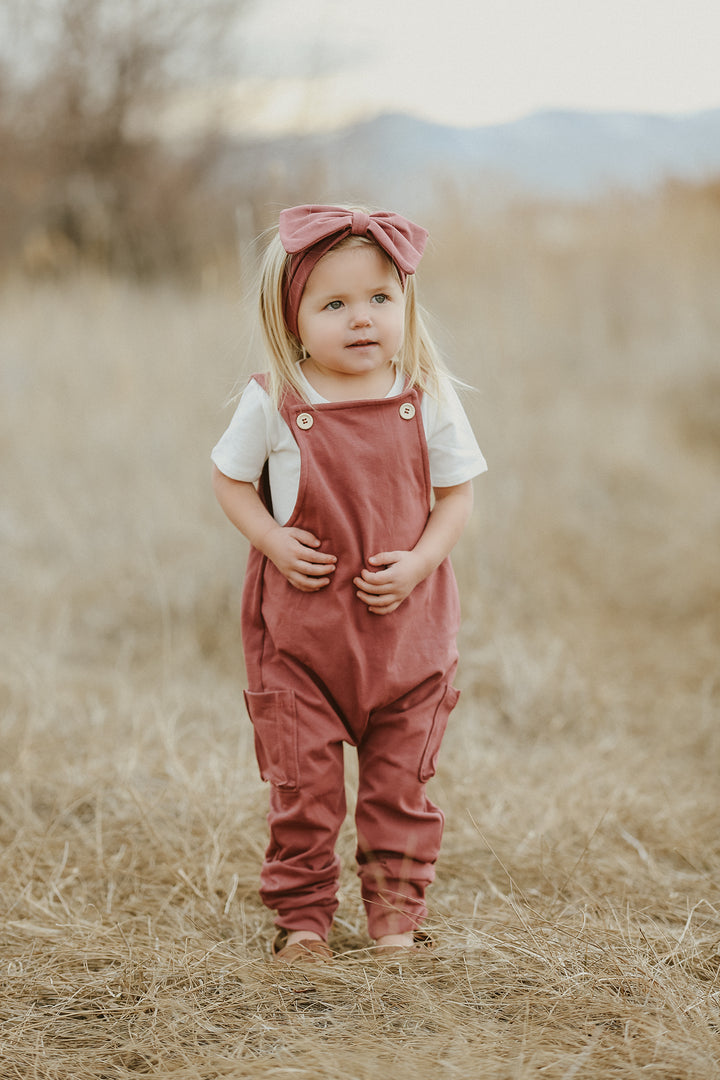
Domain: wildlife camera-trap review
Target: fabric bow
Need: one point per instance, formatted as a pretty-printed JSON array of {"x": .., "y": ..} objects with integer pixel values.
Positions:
[{"x": 309, "y": 232}]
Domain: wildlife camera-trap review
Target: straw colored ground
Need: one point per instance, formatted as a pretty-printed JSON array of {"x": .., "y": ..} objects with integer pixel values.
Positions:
[{"x": 577, "y": 905}]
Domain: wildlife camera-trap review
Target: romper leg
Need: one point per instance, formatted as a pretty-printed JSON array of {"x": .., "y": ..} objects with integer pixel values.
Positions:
[
  {"x": 299, "y": 877},
  {"x": 399, "y": 829},
  {"x": 299, "y": 746}
]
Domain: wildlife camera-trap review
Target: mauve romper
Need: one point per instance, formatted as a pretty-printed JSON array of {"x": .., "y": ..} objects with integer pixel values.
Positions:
[{"x": 322, "y": 670}]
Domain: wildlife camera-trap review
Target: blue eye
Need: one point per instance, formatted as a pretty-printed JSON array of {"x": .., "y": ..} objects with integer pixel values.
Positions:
[
  {"x": 380, "y": 298},
  {"x": 334, "y": 305}
]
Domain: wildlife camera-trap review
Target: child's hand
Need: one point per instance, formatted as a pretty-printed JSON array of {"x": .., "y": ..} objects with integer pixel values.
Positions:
[
  {"x": 384, "y": 590},
  {"x": 292, "y": 551}
]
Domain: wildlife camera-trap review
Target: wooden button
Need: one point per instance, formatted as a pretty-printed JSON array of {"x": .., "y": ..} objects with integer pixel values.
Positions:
[
  {"x": 407, "y": 410},
  {"x": 304, "y": 420}
]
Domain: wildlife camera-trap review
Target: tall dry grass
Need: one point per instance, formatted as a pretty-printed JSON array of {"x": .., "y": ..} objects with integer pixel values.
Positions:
[{"x": 577, "y": 908}]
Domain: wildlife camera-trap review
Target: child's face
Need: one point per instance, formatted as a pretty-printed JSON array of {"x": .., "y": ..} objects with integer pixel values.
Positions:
[{"x": 352, "y": 313}]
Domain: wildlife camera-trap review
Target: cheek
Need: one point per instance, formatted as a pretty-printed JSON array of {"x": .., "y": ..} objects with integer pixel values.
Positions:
[
  {"x": 307, "y": 331},
  {"x": 399, "y": 328}
]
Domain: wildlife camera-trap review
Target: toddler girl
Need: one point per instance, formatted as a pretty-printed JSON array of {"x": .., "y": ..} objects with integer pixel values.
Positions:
[{"x": 348, "y": 467}]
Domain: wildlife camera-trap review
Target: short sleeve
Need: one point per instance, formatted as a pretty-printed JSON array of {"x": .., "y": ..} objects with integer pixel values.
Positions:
[
  {"x": 455, "y": 456},
  {"x": 243, "y": 449}
]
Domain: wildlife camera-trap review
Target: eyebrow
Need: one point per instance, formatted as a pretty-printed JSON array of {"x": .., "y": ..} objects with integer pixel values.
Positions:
[{"x": 338, "y": 294}]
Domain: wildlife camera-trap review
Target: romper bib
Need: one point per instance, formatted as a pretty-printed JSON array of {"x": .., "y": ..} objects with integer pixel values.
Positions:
[{"x": 364, "y": 488}]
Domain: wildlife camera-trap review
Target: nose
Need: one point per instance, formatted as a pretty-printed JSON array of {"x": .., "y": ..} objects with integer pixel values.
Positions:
[{"x": 360, "y": 316}]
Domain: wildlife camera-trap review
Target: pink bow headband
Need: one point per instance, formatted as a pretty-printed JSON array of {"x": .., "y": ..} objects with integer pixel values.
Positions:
[{"x": 309, "y": 232}]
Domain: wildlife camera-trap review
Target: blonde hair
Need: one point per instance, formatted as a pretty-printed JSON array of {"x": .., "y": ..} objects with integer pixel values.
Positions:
[{"x": 418, "y": 358}]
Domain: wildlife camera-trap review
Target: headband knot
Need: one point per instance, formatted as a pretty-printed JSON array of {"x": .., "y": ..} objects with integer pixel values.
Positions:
[
  {"x": 360, "y": 223},
  {"x": 309, "y": 232}
]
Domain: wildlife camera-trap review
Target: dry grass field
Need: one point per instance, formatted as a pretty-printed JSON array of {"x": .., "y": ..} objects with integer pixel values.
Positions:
[{"x": 577, "y": 906}]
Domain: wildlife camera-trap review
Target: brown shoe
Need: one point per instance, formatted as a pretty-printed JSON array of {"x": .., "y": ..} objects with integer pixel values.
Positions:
[{"x": 308, "y": 951}]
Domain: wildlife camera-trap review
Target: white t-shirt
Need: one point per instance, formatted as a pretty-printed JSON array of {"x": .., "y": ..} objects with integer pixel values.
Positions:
[{"x": 257, "y": 433}]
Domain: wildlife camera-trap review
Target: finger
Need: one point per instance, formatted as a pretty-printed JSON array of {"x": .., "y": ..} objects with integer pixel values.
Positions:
[
  {"x": 366, "y": 598},
  {"x": 315, "y": 569},
  {"x": 376, "y": 588},
  {"x": 385, "y": 558},
  {"x": 374, "y": 600},
  {"x": 320, "y": 557},
  {"x": 379, "y": 577},
  {"x": 308, "y": 584},
  {"x": 305, "y": 537},
  {"x": 385, "y": 610},
  {"x": 384, "y": 601},
  {"x": 309, "y": 540}
]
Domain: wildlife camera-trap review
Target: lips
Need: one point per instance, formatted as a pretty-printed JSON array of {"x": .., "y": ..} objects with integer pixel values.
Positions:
[{"x": 360, "y": 344}]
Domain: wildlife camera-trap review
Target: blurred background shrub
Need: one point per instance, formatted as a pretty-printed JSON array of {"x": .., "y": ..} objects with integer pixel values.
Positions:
[{"x": 88, "y": 176}]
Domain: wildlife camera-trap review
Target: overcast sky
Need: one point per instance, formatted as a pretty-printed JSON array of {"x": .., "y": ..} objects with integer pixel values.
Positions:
[{"x": 315, "y": 63}]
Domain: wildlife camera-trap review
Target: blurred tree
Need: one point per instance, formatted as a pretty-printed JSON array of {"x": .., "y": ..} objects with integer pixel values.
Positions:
[{"x": 89, "y": 172}]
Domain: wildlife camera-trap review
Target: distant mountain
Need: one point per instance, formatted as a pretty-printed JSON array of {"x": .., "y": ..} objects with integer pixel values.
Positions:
[{"x": 400, "y": 160}]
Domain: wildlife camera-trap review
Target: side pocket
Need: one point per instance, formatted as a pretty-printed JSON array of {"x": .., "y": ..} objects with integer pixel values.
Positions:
[
  {"x": 428, "y": 762},
  {"x": 274, "y": 720}
]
